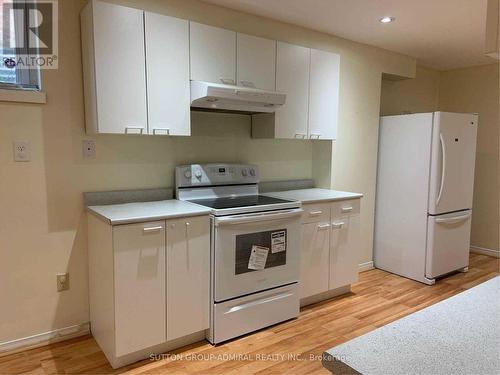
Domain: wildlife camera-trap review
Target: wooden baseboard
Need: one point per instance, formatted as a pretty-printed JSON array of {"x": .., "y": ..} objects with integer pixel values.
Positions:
[
  {"x": 485, "y": 251},
  {"x": 367, "y": 266},
  {"x": 41, "y": 339}
]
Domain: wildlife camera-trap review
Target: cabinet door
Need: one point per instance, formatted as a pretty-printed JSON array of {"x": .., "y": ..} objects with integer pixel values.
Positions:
[
  {"x": 120, "y": 70},
  {"x": 213, "y": 54},
  {"x": 188, "y": 268},
  {"x": 256, "y": 62},
  {"x": 167, "y": 62},
  {"x": 139, "y": 283},
  {"x": 324, "y": 94},
  {"x": 344, "y": 251},
  {"x": 314, "y": 258},
  {"x": 292, "y": 78}
]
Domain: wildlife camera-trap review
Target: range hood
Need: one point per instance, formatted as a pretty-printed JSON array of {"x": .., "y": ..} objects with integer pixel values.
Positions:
[{"x": 216, "y": 96}]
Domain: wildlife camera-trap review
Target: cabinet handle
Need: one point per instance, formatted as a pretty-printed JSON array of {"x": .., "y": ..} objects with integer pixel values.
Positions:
[
  {"x": 338, "y": 225},
  {"x": 129, "y": 128},
  {"x": 188, "y": 224},
  {"x": 315, "y": 213},
  {"x": 300, "y": 135},
  {"x": 247, "y": 84},
  {"x": 346, "y": 209},
  {"x": 323, "y": 226},
  {"x": 314, "y": 135},
  {"x": 165, "y": 130},
  {"x": 227, "y": 81},
  {"x": 152, "y": 229}
]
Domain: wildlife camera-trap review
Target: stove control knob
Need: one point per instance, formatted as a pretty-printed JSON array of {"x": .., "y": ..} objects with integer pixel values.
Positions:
[
  {"x": 252, "y": 172},
  {"x": 187, "y": 174},
  {"x": 197, "y": 174},
  {"x": 244, "y": 172}
]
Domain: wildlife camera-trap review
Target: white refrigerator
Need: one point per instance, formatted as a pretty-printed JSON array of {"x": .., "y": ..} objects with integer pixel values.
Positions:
[{"x": 425, "y": 181}]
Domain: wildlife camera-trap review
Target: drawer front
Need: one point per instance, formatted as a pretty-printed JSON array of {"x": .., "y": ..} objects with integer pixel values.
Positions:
[
  {"x": 246, "y": 314},
  {"x": 448, "y": 243},
  {"x": 347, "y": 207},
  {"x": 315, "y": 213}
]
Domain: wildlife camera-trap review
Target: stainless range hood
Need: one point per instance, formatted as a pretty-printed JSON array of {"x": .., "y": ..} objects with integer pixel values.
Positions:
[{"x": 216, "y": 96}]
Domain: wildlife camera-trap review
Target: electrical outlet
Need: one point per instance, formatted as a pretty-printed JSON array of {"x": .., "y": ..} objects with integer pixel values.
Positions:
[
  {"x": 62, "y": 281},
  {"x": 22, "y": 151},
  {"x": 88, "y": 148}
]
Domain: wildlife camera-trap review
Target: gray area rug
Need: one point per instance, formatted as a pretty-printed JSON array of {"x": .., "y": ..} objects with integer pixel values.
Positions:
[{"x": 460, "y": 335}]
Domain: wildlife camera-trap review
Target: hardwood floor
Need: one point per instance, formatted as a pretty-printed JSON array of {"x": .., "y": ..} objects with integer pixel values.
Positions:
[{"x": 292, "y": 347}]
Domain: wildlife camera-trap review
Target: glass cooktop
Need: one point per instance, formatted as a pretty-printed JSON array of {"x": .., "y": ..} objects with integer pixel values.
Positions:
[{"x": 234, "y": 202}]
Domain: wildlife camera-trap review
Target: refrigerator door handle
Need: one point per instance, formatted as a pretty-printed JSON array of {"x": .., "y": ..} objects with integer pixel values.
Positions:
[
  {"x": 443, "y": 168},
  {"x": 452, "y": 220}
]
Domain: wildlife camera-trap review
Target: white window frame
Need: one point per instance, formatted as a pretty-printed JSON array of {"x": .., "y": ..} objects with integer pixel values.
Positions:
[{"x": 27, "y": 79}]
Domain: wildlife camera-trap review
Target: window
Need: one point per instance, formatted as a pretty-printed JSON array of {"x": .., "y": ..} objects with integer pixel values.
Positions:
[{"x": 14, "y": 33}]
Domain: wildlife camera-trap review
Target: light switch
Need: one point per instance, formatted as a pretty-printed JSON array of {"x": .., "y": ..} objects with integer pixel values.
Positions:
[{"x": 22, "y": 151}]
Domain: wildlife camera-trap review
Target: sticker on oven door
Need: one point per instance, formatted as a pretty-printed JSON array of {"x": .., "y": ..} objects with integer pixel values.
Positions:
[
  {"x": 258, "y": 257},
  {"x": 278, "y": 241}
]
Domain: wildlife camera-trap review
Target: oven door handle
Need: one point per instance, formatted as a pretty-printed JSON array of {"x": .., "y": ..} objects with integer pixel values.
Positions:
[{"x": 263, "y": 216}]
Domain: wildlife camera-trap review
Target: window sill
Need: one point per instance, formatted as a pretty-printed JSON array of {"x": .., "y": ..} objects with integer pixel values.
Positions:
[{"x": 22, "y": 96}]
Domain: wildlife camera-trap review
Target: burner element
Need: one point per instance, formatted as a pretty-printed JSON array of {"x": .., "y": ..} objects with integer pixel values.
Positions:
[{"x": 241, "y": 201}]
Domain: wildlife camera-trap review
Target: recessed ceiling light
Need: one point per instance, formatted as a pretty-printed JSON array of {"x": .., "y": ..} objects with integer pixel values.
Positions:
[{"x": 387, "y": 19}]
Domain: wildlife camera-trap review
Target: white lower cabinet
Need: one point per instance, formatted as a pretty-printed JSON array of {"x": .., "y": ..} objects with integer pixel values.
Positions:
[
  {"x": 148, "y": 285},
  {"x": 314, "y": 258},
  {"x": 343, "y": 251},
  {"x": 188, "y": 270},
  {"x": 329, "y": 250},
  {"x": 139, "y": 265}
]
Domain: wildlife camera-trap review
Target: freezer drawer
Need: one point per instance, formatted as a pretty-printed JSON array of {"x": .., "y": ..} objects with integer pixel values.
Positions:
[
  {"x": 246, "y": 314},
  {"x": 448, "y": 243}
]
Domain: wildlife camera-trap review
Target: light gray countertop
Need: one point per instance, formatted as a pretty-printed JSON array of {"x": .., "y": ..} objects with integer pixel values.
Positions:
[
  {"x": 138, "y": 212},
  {"x": 460, "y": 335},
  {"x": 314, "y": 195}
]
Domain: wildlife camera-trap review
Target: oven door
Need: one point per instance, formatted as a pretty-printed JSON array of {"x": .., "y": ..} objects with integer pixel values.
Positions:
[{"x": 255, "y": 252}]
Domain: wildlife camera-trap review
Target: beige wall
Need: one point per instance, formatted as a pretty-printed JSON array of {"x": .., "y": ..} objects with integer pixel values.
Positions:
[
  {"x": 411, "y": 95},
  {"x": 474, "y": 89},
  {"x": 477, "y": 90},
  {"x": 43, "y": 226}
]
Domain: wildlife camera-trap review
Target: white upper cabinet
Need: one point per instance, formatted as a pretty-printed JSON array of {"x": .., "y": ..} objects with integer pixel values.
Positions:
[
  {"x": 137, "y": 68},
  {"x": 323, "y": 95},
  {"x": 256, "y": 62},
  {"x": 114, "y": 68},
  {"x": 213, "y": 54},
  {"x": 292, "y": 78},
  {"x": 167, "y": 63}
]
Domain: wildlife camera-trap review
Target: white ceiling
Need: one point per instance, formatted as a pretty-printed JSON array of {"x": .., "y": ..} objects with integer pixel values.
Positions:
[{"x": 441, "y": 34}]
